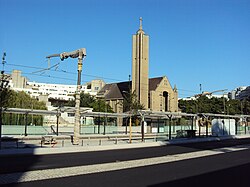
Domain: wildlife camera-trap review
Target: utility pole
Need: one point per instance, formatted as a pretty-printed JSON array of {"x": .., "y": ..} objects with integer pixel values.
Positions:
[
  {"x": 77, "y": 106},
  {"x": 80, "y": 54},
  {"x": 130, "y": 108},
  {"x": 3, "y": 85}
]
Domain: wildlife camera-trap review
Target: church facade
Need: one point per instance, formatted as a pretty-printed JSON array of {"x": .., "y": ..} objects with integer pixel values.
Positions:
[{"x": 155, "y": 94}]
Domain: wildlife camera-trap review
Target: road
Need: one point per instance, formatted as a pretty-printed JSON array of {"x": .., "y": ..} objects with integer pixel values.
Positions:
[{"x": 206, "y": 163}]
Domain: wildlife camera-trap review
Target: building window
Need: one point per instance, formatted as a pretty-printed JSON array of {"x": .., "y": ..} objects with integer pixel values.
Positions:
[{"x": 71, "y": 114}]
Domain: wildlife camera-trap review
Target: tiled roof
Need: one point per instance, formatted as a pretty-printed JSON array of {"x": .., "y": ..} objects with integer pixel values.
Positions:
[
  {"x": 154, "y": 82},
  {"x": 117, "y": 90}
]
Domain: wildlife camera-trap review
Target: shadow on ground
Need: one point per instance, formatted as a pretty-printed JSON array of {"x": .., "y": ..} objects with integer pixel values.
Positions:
[
  {"x": 16, "y": 158},
  {"x": 234, "y": 176},
  {"x": 215, "y": 144}
]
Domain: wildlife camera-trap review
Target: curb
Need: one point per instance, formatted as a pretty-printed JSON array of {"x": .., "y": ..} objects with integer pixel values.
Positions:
[{"x": 77, "y": 148}]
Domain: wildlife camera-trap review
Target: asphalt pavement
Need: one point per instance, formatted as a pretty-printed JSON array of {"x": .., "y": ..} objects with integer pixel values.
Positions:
[
  {"x": 165, "y": 163},
  {"x": 219, "y": 170}
]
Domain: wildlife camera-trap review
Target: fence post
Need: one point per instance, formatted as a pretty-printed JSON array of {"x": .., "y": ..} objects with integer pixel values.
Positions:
[
  {"x": 206, "y": 126},
  {"x": 236, "y": 125},
  {"x": 169, "y": 131},
  {"x": 245, "y": 126},
  {"x": 192, "y": 124},
  {"x": 57, "y": 123},
  {"x": 25, "y": 124},
  {"x": 105, "y": 124}
]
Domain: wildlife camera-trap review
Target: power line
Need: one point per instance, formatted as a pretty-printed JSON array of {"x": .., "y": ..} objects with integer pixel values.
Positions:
[
  {"x": 18, "y": 65},
  {"x": 46, "y": 69},
  {"x": 62, "y": 71},
  {"x": 192, "y": 91},
  {"x": 72, "y": 73},
  {"x": 46, "y": 76}
]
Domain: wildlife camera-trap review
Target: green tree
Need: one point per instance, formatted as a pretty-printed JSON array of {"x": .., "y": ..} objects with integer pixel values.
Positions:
[
  {"x": 131, "y": 102},
  {"x": 87, "y": 100},
  {"x": 215, "y": 105},
  {"x": 12, "y": 99}
]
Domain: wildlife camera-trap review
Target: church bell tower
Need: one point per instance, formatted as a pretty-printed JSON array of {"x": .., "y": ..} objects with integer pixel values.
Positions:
[{"x": 140, "y": 58}]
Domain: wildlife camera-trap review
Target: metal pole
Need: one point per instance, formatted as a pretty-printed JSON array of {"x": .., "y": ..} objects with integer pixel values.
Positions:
[
  {"x": 192, "y": 124},
  {"x": 105, "y": 124},
  {"x": 199, "y": 128},
  {"x": 126, "y": 130},
  {"x": 3, "y": 85},
  {"x": 246, "y": 126},
  {"x": 206, "y": 127},
  {"x": 223, "y": 127},
  {"x": 158, "y": 125},
  {"x": 169, "y": 131},
  {"x": 1, "y": 124},
  {"x": 77, "y": 105},
  {"x": 142, "y": 129},
  {"x": 236, "y": 126},
  {"x": 25, "y": 124},
  {"x": 1, "y": 107},
  {"x": 99, "y": 118},
  {"x": 57, "y": 123},
  {"x": 130, "y": 130}
]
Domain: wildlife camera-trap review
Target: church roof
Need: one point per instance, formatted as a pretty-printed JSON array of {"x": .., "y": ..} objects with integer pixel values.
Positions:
[
  {"x": 115, "y": 90},
  {"x": 118, "y": 90},
  {"x": 154, "y": 82}
]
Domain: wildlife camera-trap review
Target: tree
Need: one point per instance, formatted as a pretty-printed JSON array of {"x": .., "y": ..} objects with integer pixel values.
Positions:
[
  {"x": 12, "y": 99},
  {"x": 87, "y": 100},
  {"x": 131, "y": 102},
  {"x": 215, "y": 105},
  {"x": 21, "y": 99}
]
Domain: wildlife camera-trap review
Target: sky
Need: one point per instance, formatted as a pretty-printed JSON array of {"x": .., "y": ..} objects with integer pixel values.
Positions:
[{"x": 192, "y": 42}]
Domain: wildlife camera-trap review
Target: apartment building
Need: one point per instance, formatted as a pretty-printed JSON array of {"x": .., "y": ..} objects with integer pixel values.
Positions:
[{"x": 53, "y": 91}]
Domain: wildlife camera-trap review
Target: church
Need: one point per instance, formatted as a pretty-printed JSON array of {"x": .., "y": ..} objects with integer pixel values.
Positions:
[{"x": 154, "y": 94}]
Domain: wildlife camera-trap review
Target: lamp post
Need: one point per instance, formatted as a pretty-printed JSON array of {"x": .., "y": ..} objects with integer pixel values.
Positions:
[
  {"x": 3, "y": 84},
  {"x": 80, "y": 54},
  {"x": 77, "y": 105}
]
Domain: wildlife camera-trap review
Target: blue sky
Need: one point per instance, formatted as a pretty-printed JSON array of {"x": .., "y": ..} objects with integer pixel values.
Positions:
[{"x": 192, "y": 42}]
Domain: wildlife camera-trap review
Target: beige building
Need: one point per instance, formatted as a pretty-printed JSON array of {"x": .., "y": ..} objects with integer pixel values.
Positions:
[
  {"x": 55, "y": 92},
  {"x": 155, "y": 94},
  {"x": 161, "y": 95},
  {"x": 140, "y": 57},
  {"x": 18, "y": 81}
]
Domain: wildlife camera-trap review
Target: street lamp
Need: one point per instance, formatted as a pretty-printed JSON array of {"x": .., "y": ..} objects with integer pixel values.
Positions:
[{"x": 80, "y": 54}]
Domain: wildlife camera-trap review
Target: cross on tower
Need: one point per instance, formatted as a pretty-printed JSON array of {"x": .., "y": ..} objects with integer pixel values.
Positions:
[{"x": 140, "y": 23}]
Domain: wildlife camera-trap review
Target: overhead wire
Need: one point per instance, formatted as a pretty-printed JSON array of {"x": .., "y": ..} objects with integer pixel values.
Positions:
[
  {"x": 43, "y": 70},
  {"x": 62, "y": 71},
  {"x": 45, "y": 76}
]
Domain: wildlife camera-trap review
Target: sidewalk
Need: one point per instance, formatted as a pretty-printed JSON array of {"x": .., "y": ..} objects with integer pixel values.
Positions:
[{"x": 32, "y": 146}]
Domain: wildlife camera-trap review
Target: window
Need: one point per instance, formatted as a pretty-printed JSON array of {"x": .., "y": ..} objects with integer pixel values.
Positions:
[{"x": 71, "y": 114}]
